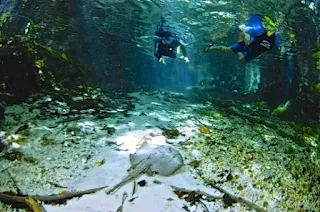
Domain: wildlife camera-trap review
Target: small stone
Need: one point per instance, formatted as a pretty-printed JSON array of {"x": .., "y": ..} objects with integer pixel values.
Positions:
[
  {"x": 171, "y": 134},
  {"x": 157, "y": 182},
  {"x": 195, "y": 163},
  {"x": 185, "y": 208},
  {"x": 142, "y": 183},
  {"x": 229, "y": 177},
  {"x": 111, "y": 130}
]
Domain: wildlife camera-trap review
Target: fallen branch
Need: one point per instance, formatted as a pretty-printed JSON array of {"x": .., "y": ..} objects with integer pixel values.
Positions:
[
  {"x": 134, "y": 188},
  {"x": 69, "y": 119},
  {"x": 4, "y": 168},
  {"x": 240, "y": 199},
  {"x": 34, "y": 205},
  {"x": 226, "y": 197},
  {"x": 28, "y": 201},
  {"x": 14, "y": 182},
  {"x": 198, "y": 192},
  {"x": 124, "y": 197},
  {"x": 63, "y": 196},
  {"x": 205, "y": 208}
]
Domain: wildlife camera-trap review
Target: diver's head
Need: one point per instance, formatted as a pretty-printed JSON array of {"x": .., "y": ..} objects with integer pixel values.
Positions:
[
  {"x": 269, "y": 25},
  {"x": 167, "y": 37}
]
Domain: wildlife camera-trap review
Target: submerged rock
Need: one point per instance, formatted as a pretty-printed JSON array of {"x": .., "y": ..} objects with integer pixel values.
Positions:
[{"x": 171, "y": 134}]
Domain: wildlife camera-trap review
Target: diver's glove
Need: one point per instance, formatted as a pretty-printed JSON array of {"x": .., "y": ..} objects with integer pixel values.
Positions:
[
  {"x": 206, "y": 50},
  {"x": 186, "y": 59},
  {"x": 161, "y": 60}
]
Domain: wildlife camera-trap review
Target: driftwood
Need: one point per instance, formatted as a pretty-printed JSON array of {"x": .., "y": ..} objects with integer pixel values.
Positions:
[
  {"x": 240, "y": 199},
  {"x": 226, "y": 197},
  {"x": 198, "y": 192},
  {"x": 124, "y": 197},
  {"x": 31, "y": 202},
  {"x": 34, "y": 205}
]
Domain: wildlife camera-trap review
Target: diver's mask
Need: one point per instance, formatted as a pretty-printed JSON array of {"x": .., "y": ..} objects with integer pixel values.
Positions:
[
  {"x": 167, "y": 40},
  {"x": 269, "y": 25}
]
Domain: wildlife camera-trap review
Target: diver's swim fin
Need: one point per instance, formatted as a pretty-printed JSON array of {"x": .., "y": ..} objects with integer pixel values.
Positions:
[{"x": 206, "y": 50}]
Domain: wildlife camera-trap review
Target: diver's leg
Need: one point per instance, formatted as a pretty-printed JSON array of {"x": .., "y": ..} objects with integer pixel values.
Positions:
[
  {"x": 224, "y": 49},
  {"x": 241, "y": 57}
]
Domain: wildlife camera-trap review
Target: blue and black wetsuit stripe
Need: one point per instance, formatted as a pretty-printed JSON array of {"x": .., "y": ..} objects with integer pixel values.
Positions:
[{"x": 260, "y": 45}]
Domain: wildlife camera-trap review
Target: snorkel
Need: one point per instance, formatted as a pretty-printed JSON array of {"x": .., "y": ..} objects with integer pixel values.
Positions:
[{"x": 269, "y": 25}]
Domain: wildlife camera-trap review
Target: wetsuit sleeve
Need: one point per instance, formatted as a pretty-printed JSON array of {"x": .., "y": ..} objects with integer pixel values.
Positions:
[
  {"x": 277, "y": 42},
  {"x": 183, "y": 49},
  {"x": 253, "y": 27},
  {"x": 156, "y": 49}
]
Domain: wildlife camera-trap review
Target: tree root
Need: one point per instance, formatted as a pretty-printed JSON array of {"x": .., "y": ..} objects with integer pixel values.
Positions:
[{"x": 31, "y": 202}]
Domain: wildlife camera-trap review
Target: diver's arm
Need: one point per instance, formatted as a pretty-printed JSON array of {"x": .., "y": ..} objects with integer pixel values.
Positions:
[
  {"x": 183, "y": 50},
  {"x": 156, "y": 49}
]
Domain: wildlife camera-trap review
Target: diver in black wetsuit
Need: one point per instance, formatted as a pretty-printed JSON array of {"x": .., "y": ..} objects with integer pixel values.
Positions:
[{"x": 167, "y": 45}]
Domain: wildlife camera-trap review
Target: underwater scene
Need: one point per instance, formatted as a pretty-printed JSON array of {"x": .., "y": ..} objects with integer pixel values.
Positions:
[{"x": 159, "y": 105}]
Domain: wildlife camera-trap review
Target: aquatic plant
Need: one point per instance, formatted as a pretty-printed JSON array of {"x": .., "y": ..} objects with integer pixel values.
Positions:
[
  {"x": 316, "y": 56},
  {"x": 317, "y": 87},
  {"x": 28, "y": 66},
  {"x": 281, "y": 108},
  {"x": 171, "y": 133},
  {"x": 204, "y": 130}
]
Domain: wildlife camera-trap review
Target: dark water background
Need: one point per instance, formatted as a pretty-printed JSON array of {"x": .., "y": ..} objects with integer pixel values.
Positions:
[{"x": 114, "y": 41}]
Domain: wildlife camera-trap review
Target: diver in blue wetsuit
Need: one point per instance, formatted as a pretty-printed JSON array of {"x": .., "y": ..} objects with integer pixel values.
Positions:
[
  {"x": 167, "y": 45},
  {"x": 259, "y": 35}
]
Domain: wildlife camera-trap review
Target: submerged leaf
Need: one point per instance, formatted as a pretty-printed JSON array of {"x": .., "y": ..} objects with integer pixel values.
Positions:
[
  {"x": 39, "y": 63},
  {"x": 99, "y": 163},
  {"x": 4, "y": 18},
  {"x": 64, "y": 56},
  {"x": 205, "y": 130}
]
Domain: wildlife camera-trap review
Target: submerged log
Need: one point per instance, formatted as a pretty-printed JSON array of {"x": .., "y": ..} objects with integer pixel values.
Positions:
[{"x": 32, "y": 202}]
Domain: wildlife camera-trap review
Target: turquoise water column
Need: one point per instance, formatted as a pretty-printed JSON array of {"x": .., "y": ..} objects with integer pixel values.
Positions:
[
  {"x": 289, "y": 75},
  {"x": 252, "y": 77}
]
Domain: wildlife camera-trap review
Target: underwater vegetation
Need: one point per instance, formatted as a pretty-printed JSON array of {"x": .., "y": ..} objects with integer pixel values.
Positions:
[{"x": 29, "y": 63}]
